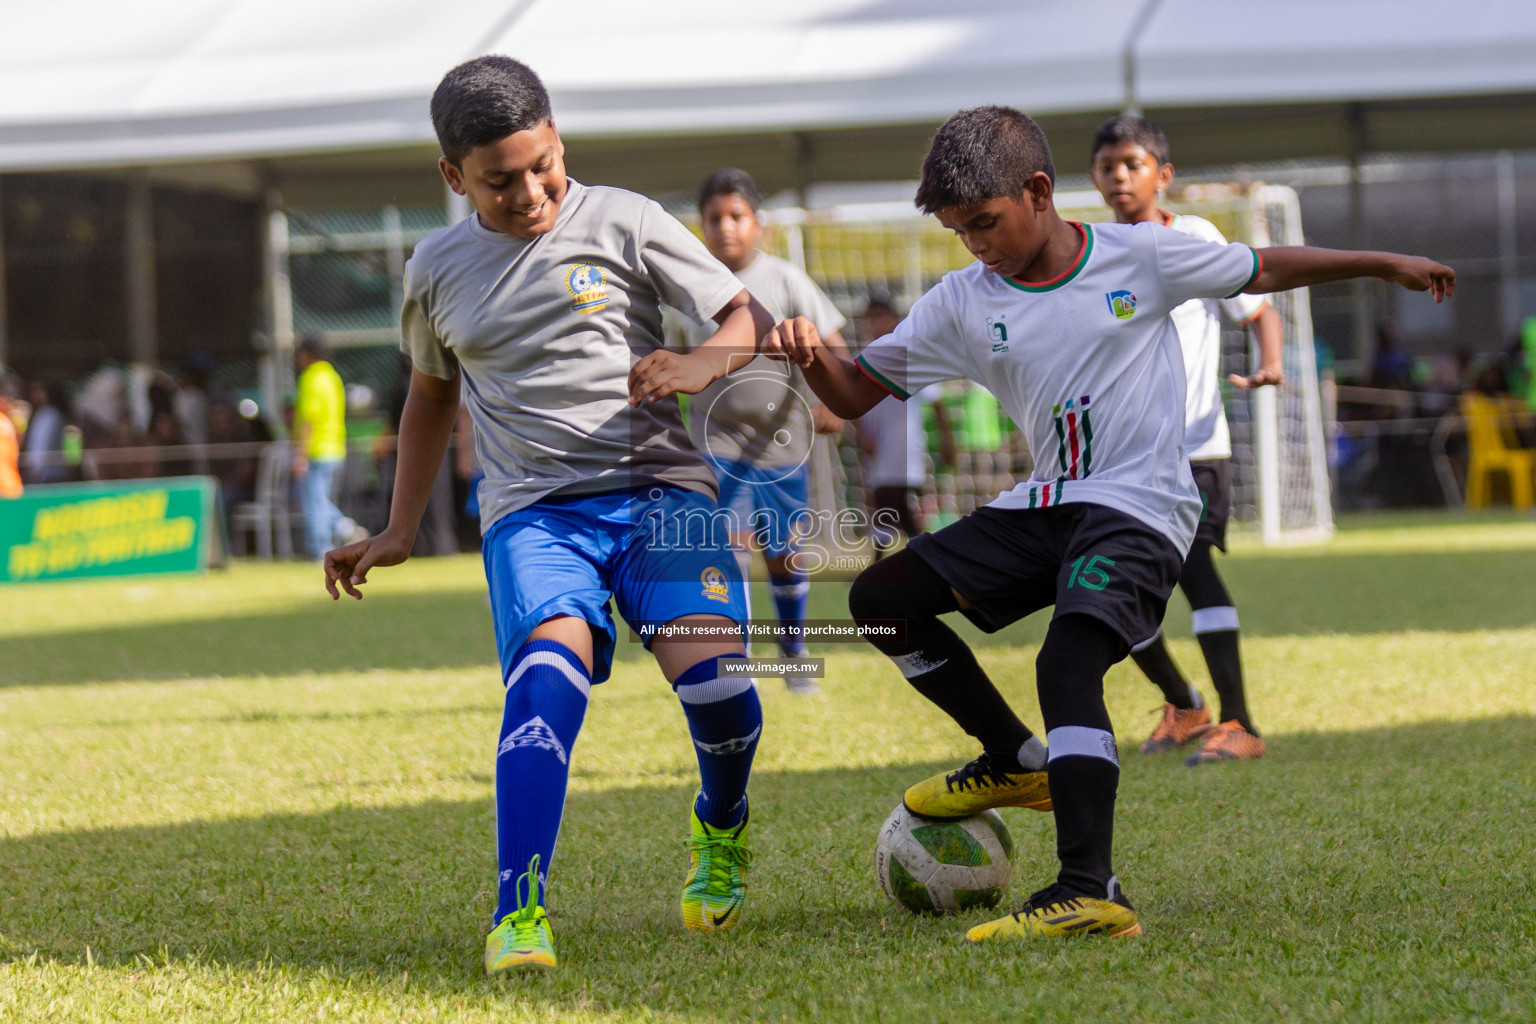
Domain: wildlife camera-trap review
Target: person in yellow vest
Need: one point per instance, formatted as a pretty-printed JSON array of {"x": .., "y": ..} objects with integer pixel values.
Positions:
[
  {"x": 10, "y": 450},
  {"x": 320, "y": 447}
]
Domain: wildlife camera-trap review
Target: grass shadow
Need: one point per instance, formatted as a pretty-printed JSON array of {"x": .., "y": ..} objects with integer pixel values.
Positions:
[{"x": 1371, "y": 844}]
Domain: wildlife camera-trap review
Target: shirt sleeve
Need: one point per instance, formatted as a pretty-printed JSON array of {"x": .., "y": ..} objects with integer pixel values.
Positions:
[
  {"x": 686, "y": 276},
  {"x": 418, "y": 338},
  {"x": 926, "y": 348},
  {"x": 1243, "y": 308},
  {"x": 1196, "y": 269},
  {"x": 809, "y": 301}
]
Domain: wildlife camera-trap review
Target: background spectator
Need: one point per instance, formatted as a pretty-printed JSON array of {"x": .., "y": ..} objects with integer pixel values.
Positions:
[
  {"x": 320, "y": 447},
  {"x": 42, "y": 460},
  {"x": 10, "y": 448}
]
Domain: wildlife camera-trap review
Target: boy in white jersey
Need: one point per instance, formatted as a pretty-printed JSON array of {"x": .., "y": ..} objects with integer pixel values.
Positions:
[
  {"x": 757, "y": 427},
  {"x": 1131, "y": 169},
  {"x": 1068, "y": 325},
  {"x": 539, "y": 309}
]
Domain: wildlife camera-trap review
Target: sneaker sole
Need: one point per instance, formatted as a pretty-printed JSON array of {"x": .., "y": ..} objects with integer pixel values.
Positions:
[
  {"x": 534, "y": 963},
  {"x": 1037, "y": 805}
]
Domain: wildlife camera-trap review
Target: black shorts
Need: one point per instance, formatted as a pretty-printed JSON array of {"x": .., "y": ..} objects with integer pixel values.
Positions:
[
  {"x": 902, "y": 503},
  {"x": 1084, "y": 559},
  {"x": 1214, "y": 479}
]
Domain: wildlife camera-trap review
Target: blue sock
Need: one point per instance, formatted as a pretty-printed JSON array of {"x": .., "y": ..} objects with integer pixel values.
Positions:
[
  {"x": 725, "y": 719},
  {"x": 791, "y": 594},
  {"x": 546, "y": 701}
]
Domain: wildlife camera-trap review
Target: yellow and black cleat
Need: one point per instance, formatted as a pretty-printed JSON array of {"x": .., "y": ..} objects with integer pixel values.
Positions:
[
  {"x": 1054, "y": 912},
  {"x": 977, "y": 787}
]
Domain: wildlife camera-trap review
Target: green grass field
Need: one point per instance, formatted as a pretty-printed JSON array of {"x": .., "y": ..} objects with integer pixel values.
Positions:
[{"x": 227, "y": 799}]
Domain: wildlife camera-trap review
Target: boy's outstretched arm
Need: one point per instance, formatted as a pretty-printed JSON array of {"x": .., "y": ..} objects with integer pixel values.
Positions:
[
  {"x": 431, "y": 408},
  {"x": 742, "y": 322},
  {"x": 1287, "y": 267},
  {"x": 837, "y": 381}
]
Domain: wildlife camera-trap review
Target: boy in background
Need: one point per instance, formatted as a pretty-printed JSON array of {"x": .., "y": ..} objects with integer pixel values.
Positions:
[
  {"x": 756, "y": 428},
  {"x": 542, "y": 310},
  {"x": 1092, "y": 372},
  {"x": 896, "y": 447},
  {"x": 1131, "y": 169}
]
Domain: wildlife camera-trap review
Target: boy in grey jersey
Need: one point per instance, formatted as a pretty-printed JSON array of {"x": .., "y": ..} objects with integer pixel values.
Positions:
[
  {"x": 757, "y": 427},
  {"x": 540, "y": 310}
]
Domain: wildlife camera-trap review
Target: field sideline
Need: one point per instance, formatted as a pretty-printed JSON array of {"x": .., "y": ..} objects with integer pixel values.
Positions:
[{"x": 226, "y": 799}]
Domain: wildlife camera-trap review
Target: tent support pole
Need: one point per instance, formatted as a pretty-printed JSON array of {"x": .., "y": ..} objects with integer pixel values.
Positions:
[
  {"x": 1132, "y": 105},
  {"x": 805, "y": 169},
  {"x": 277, "y": 360},
  {"x": 5, "y": 323},
  {"x": 1360, "y": 289},
  {"x": 139, "y": 265},
  {"x": 1509, "y": 252}
]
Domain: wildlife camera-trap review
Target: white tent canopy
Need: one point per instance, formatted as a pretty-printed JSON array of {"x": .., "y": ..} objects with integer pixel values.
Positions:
[{"x": 85, "y": 83}]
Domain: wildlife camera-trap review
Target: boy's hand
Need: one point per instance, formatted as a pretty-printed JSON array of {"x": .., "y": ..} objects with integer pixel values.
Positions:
[
  {"x": 795, "y": 340},
  {"x": 1264, "y": 375},
  {"x": 1418, "y": 274},
  {"x": 349, "y": 565},
  {"x": 664, "y": 372}
]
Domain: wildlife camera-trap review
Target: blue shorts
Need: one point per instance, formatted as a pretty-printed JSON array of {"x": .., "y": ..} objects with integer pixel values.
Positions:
[
  {"x": 659, "y": 552},
  {"x": 769, "y": 502}
]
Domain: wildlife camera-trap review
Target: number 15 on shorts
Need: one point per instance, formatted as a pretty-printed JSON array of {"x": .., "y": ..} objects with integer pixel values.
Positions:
[{"x": 1090, "y": 572}]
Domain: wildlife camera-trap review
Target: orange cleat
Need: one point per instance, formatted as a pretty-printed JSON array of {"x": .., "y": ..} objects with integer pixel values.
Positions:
[
  {"x": 1228, "y": 741},
  {"x": 1178, "y": 727}
]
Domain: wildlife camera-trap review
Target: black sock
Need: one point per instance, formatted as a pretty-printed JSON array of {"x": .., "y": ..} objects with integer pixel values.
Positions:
[
  {"x": 936, "y": 661},
  {"x": 1226, "y": 667},
  {"x": 1084, "y": 766},
  {"x": 1085, "y": 821},
  {"x": 1157, "y": 665},
  {"x": 1216, "y": 627}
]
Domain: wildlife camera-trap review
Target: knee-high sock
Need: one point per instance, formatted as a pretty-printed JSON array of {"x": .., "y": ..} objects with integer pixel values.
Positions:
[
  {"x": 547, "y": 691},
  {"x": 935, "y": 660},
  {"x": 1084, "y": 767},
  {"x": 725, "y": 719},
  {"x": 791, "y": 594},
  {"x": 1215, "y": 625},
  {"x": 1157, "y": 664}
]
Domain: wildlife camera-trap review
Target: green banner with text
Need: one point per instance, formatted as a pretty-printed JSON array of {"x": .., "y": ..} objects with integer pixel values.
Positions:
[{"x": 75, "y": 531}]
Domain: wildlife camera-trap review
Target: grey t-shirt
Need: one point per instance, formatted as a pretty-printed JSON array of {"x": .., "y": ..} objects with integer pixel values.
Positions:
[
  {"x": 546, "y": 330},
  {"x": 761, "y": 413}
]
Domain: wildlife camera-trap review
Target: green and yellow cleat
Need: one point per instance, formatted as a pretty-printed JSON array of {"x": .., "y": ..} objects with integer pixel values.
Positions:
[
  {"x": 1053, "y": 912},
  {"x": 717, "y": 876},
  {"x": 975, "y": 788},
  {"x": 523, "y": 938}
]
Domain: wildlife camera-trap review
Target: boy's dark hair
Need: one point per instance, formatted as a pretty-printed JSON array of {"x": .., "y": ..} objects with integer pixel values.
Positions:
[
  {"x": 730, "y": 181},
  {"x": 483, "y": 101},
  {"x": 980, "y": 154},
  {"x": 1135, "y": 130}
]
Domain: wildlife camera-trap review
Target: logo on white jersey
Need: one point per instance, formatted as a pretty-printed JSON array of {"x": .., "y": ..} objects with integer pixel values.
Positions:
[
  {"x": 999, "y": 332},
  {"x": 1122, "y": 304},
  {"x": 588, "y": 287},
  {"x": 535, "y": 733}
]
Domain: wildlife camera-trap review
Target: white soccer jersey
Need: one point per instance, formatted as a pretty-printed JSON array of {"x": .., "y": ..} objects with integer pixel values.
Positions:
[
  {"x": 1198, "y": 322},
  {"x": 1088, "y": 365}
]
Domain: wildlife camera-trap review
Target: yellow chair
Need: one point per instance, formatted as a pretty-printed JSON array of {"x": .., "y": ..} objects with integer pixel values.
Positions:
[{"x": 1494, "y": 448}]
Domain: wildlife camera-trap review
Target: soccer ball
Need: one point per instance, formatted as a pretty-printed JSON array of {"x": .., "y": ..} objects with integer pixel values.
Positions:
[{"x": 943, "y": 867}]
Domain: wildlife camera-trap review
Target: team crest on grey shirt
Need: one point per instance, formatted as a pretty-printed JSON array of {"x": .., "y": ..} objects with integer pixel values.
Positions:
[{"x": 588, "y": 287}]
